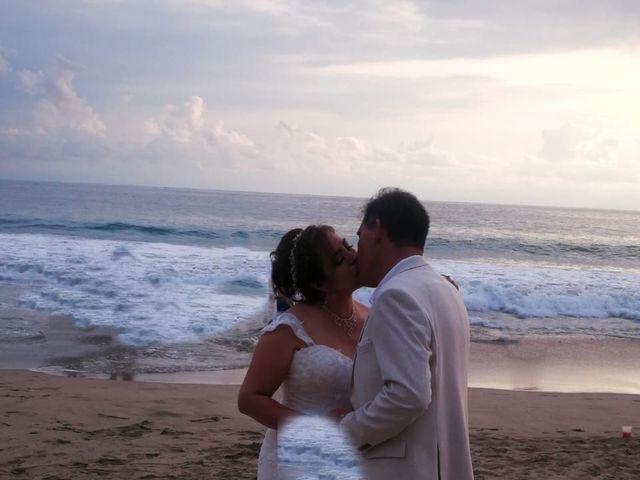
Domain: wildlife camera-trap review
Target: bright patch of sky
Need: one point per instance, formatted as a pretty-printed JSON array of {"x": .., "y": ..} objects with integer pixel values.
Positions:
[{"x": 530, "y": 102}]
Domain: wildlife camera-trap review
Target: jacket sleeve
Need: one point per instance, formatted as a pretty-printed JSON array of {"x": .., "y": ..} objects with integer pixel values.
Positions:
[{"x": 401, "y": 337}]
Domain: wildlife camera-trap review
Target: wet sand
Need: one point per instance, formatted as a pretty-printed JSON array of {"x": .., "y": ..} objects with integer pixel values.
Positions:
[
  {"x": 54, "y": 344},
  {"x": 79, "y": 428},
  {"x": 557, "y": 364}
]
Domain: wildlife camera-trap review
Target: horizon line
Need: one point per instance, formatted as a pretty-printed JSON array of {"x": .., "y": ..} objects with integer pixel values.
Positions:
[{"x": 210, "y": 189}]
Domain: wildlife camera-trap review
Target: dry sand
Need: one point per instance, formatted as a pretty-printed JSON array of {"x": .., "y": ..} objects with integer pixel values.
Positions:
[{"x": 77, "y": 428}]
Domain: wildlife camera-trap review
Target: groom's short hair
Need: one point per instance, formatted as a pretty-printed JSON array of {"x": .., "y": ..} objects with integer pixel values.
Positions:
[{"x": 401, "y": 215}]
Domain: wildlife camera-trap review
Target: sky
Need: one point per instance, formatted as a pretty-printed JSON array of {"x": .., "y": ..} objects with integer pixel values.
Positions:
[{"x": 490, "y": 101}]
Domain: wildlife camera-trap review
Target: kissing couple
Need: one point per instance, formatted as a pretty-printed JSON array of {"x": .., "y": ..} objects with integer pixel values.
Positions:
[{"x": 394, "y": 376}]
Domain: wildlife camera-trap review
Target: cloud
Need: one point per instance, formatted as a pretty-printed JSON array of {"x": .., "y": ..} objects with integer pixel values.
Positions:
[
  {"x": 425, "y": 155},
  {"x": 190, "y": 124},
  {"x": 180, "y": 145},
  {"x": 10, "y": 131},
  {"x": 304, "y": 151},
  {"x": 480, "y": 28},
  {"x": 558, "y": 145},
  {"x": 210, "y": 140},
  {"x": 57, "y": 104},
  {"x": 179, "y": 125},
  {"x": 573, "y": 144},
  {"x": 272, "y": 7},
  {"x": 30, "y": 82},
  {"x": 580, "y": 154},
  {"x": 189, "y": 131},
  {"x": 46, "y": 103},
  {"x": 589, "y": 68},
  {"x": 4, "y": 66}
]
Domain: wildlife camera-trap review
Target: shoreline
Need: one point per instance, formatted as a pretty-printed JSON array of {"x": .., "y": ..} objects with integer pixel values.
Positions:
[
  {"x": 236, "y": 376},
  {"x": 567, "y": 364},
  {"x": 54, "y": 344}
]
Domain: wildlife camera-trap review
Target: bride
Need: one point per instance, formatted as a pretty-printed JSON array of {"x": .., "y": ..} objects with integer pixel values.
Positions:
[{"x": 309, "y": 349}]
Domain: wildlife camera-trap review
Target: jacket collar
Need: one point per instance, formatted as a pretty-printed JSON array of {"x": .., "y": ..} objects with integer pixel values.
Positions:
[{"x": 403, "y": 265}]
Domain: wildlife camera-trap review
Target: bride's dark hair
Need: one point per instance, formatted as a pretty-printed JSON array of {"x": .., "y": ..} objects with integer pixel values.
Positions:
[{"x": 298, "y": 264}]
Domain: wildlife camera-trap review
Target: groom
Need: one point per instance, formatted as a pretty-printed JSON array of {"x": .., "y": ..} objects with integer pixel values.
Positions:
[{"x": 409, "y": 389}]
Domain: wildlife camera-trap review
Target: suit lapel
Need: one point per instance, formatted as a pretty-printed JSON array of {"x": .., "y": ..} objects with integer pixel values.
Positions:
[
  {"x": 355, "y": 357},
  {"x": 410, "y": 263}
]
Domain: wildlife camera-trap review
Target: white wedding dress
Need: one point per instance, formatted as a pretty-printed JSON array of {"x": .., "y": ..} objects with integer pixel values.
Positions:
[{"x": 318, "y": 382}]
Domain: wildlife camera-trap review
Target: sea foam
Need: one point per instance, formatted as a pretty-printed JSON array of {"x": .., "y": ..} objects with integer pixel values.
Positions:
[
  {"x": 149, "y": 292},
  {"x": 157, "y": 293}
]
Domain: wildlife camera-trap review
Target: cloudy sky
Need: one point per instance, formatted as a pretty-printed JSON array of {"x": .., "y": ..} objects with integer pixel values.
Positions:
[{"x": 527, "y": 102}]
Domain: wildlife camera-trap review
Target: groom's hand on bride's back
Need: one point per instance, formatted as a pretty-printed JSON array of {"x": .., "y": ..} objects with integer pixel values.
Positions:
[
  {"x": 338, "y": 414},
  {"x": 451, "y": 281}
]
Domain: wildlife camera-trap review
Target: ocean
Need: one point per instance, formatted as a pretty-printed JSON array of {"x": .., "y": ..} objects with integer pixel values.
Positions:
[{"x": 164, "y": 267}]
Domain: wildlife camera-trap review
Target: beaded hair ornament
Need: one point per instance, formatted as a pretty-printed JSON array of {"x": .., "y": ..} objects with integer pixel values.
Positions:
[{"x": 292, "y": 262}]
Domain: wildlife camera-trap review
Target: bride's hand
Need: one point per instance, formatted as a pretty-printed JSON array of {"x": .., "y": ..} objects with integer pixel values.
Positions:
[{"x": 338, "y": 414}]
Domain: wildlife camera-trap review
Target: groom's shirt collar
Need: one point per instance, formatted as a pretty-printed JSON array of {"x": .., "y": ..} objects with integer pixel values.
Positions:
[{"x": 402, "y": 265}]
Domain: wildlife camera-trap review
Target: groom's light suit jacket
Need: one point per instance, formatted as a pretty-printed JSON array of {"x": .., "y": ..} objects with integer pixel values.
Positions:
[{"x": 409, "y": 388}]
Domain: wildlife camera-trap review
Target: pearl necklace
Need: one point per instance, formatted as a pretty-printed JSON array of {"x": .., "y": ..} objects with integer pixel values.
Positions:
[{"x": 348, "y": 324}]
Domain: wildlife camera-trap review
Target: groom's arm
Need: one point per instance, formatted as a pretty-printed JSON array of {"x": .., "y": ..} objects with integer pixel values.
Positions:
[{"x": 401, "y": 338}]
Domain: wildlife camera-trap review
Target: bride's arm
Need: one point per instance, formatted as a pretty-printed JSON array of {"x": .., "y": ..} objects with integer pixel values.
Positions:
[{"x": 269, "y": 367}]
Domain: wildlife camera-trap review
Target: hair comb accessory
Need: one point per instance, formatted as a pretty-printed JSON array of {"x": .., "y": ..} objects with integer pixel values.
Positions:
[{"x": 292, "y": 259}]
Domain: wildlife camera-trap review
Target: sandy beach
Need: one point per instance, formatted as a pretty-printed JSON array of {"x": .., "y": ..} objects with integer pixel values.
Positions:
[
  {"x": 107, "y": 414},
  {"x": 81, "y": 424},
  {"x": 59, "y": 427}
]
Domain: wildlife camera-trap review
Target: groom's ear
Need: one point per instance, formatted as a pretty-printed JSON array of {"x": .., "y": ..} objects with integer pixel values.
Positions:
[{"x": 377, "y": 230}]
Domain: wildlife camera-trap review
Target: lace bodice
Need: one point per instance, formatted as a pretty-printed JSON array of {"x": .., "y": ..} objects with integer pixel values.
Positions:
[
  {"x": 318, "y": 382},
  {"x": 319, "y": 376}
]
